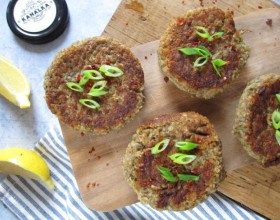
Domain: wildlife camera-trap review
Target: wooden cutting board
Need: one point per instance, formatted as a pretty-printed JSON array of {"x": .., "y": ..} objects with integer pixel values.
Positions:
[{"x": 96, "y": 161}]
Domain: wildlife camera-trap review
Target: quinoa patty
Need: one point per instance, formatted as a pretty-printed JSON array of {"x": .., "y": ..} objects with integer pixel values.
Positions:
[
  {"x": 202, "y": 82},
  {"x": 253, "y": 124},
  {"x": 141, "y": 166},
  {"x": 123, "y": 100}
]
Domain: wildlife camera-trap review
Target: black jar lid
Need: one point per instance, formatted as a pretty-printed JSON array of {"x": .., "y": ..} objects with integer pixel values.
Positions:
[{"x": 37, "y": 21}]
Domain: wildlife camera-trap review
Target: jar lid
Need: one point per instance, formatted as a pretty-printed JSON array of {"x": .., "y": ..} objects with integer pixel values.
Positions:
[{"x": 37, "y": 21}]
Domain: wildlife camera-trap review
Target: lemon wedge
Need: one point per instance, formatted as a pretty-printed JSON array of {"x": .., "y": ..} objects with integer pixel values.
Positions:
[
  {"x": 25, "y": 163},
  {"x": 14, "y": 85}
]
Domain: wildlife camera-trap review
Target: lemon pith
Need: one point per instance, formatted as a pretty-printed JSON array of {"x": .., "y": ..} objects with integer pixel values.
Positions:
[{"x": 25, "y": 163}]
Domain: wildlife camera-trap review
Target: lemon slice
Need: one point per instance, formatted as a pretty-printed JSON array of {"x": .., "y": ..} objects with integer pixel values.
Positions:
[
  {"x": 25, "y": 163},
  {"x": 14, "y": 85}
]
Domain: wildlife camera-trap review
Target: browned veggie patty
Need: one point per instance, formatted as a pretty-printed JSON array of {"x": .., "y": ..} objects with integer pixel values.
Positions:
[
  {"x": 123, "y": 100},
  {"x": 141, "y": 166},
  {"x": 204, "y": 81},
  {"x": 253, "y": 123}
]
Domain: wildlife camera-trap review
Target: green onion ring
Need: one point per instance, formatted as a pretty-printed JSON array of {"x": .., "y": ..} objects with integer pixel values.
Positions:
[
  {"x": 202, "y": 31},
  {"x": 74, "y": 86},
  {"x": 275, "y": 117},
  {"x": 186, "y": 145},
  {"x": 197, "y": 62},
  {"x": 89, "y": 103},
  {"x": 97, "y": 92},
  {"x": 166, "y": 174},
  {"x": 180, "y": 158},
  {"x": 99, "y": 85},
  {"x": 160, "y": 146},
  {"x": 186, "y": 177},
  {"x": 93, "y": 74},
  {"x": 84, "y": 80},
  {"x": 278, "y": 97},
  {"x": 111, "y": 71}
]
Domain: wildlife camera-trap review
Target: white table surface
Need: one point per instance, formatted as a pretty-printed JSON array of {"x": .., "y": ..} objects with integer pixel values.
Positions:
[{"x": 24, "y": 127}]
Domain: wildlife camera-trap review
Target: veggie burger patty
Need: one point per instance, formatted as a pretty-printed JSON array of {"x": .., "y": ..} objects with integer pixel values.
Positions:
[
  {"x": 201, "y": 52},
  {"x": 95, "y": 85},
  {"x": 174, "y": 161},
  {"x": 257, "y": 121}
]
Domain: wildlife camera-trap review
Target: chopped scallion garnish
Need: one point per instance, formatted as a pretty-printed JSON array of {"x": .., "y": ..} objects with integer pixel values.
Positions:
[
  {"x": 218, "y": 63},
  {"x": 203, "y": 32},
  {"x": 180, "y": 158},
  {"x": 166, "y": 174},
  {"x": 278, "y": 97},
  {"x": 89, "y": 103},
  {"x": 186, "y": 145},
  {"x": 204, "y": 55},
  {"x": 74, "y": 86},
  {"x": 276, "y": 119},
  {"x": 111, "y": 71},
  {"x": 99, "y": 85},
  {"x": 97, "y": 93},
  {"x": 83, "y": 80},
  {"x": 186, "y": 177},
  {"x": 160, "y": 146},
  {"x": 93, "y": 74},
  {"x": 277, "y": 136}
]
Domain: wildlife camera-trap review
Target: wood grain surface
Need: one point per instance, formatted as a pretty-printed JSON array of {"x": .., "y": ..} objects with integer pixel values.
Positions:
[
  {"x": 134, "y": 27},
  {"x": 96, "y": 161}
]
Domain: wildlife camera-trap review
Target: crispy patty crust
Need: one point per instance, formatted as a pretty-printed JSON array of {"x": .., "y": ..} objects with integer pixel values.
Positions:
[
  {"x": 123, "y": 100},
  {"x": 253, "y": 123},
  {"x": 141, "y": 166},
  {"x": 202, "y": 82}
]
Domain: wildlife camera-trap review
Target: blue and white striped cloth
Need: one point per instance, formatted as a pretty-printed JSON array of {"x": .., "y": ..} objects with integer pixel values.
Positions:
[{"x": 29, "y": 199}]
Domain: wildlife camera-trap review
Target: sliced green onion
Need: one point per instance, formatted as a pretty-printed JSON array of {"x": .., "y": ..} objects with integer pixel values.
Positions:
[
  {"x": 203, "y": 32},
  {"x": 203, "y": 51},
  {"x": 186, "y": 145},
  {"x": 83, "y": 80},
  {"x": 111, "y": 71},
  {"x": 99, "y": 85},
  {"x": 218, "y": 63},
  {"x": 275, "y": 117},
  {"x": 180, "y": 158},
  {"x": 74, "y": 86},
  {"x": 198, "y": 63},
  {"x": 89, "y": 103},
  {"x": 160, "y": 146},
  {"x": 166, "y": 174},
  {"x": 278, "y": 97},
  {"x": 97, "y": 93},
  {"x": 216, "y": 34},
  {"x": 93, "y": 74},
  {"x": 277, "y": 135},
  {"x": 188, "y": 51},
  {"x": 185, "y": 177}
]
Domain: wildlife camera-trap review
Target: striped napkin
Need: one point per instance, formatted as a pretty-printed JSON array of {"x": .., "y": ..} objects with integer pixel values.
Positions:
[{"x": 29, "y": 199}]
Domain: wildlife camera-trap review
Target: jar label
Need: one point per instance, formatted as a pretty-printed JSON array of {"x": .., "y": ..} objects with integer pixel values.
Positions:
[{"x": 34, "y": 15}]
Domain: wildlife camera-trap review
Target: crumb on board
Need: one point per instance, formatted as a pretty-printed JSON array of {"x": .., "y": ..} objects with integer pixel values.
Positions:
[
  {"x": 92, "y": 185},
  {"x": 269, "y": 22},
  {"x": 146, "y": 57},
  {"x": 166, "y": 79},
  {"x": 91, "y": 150}
]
